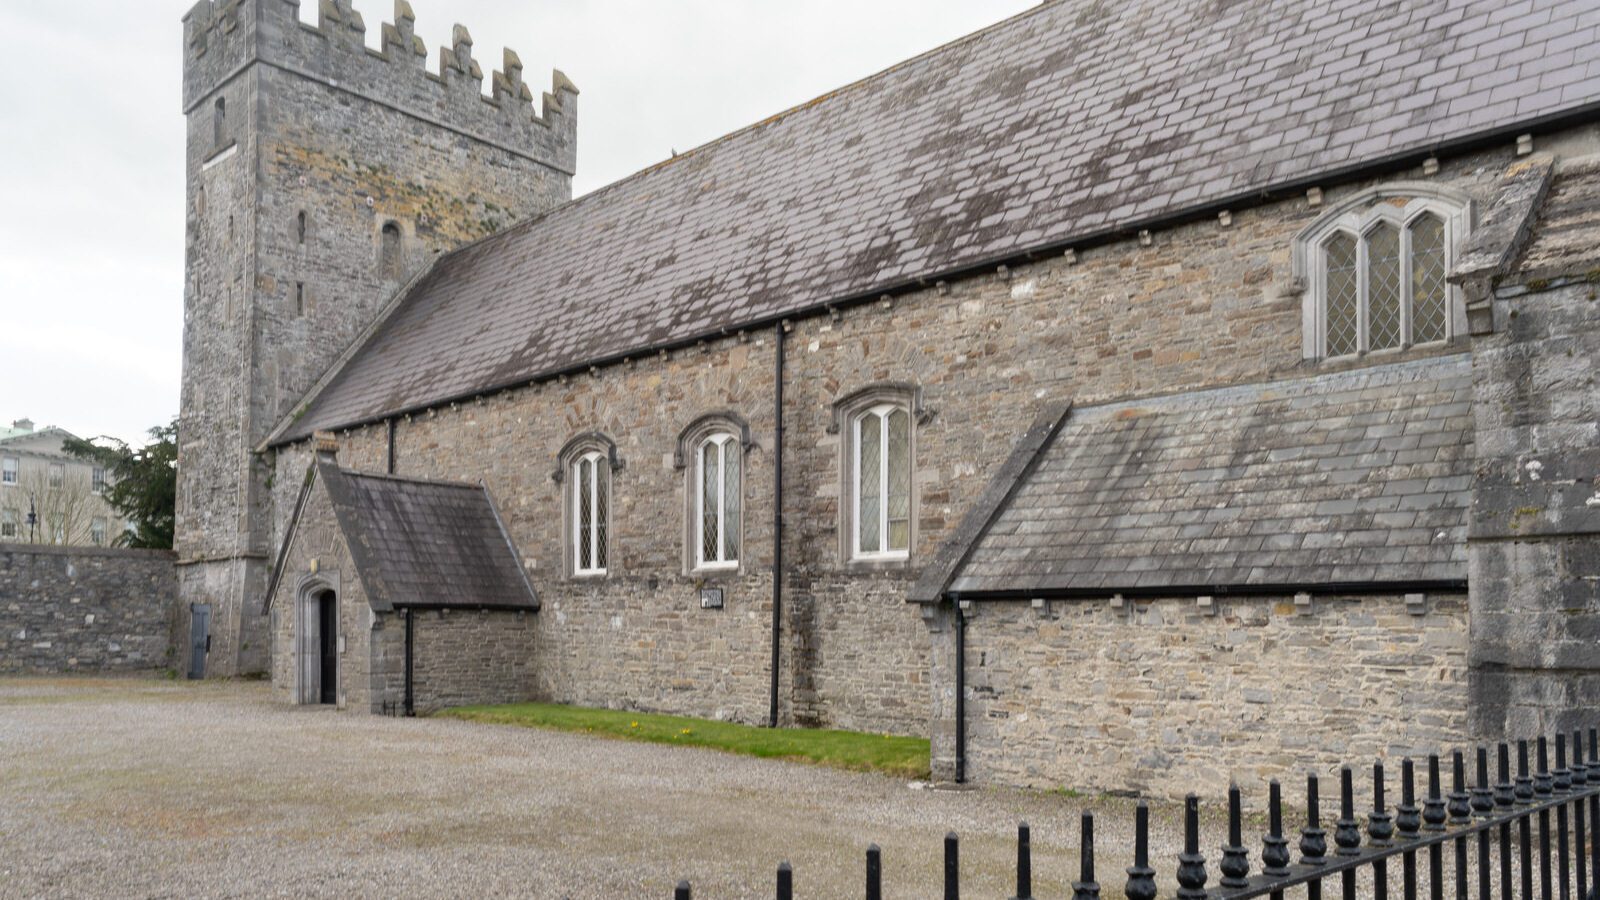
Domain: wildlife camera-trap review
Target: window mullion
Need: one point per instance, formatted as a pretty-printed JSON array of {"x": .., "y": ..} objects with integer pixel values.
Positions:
[
  {"x": 720, "y": 507},
  {"x": 855, "y": 520},
  {"x": 1405, "y": 287},
  {"x": 722, "y": 502},
  {"x": 698, "y": 485},
  {"x": 883, "y": 482},
  {"x": 1363, "y": 296}
]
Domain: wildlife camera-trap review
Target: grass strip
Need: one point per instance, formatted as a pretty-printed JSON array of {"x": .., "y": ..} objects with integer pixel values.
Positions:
[{"x": 903, "y": 757}]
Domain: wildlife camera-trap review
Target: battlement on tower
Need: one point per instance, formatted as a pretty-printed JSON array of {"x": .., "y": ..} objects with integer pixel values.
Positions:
[{"x": 223, "y": 37}]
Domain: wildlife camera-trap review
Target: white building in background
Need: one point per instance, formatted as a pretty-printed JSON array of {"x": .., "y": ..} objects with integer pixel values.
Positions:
[{"x": 66, "y": 494}]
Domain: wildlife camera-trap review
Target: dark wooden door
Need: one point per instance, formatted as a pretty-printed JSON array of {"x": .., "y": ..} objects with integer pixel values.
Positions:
[
  {"x": 199, "y": 638},
  {"x": 328, "y": 616}
]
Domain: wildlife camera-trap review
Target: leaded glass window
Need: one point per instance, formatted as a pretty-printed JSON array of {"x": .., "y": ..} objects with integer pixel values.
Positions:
[
  {"x": 882, "y": 515},
  {"x": 1383, "y": 288},
  {"x": 717, "y": 502},
  {"x": 1430, "y": 305},
  {"x": 591, "y": 513},
  {"x": 1344, "y": 296},
  {"x": 1382, "y": 280}
]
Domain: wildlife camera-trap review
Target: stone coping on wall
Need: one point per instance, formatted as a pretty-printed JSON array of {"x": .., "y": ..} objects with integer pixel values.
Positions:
[{"x": 86, "y": 550}]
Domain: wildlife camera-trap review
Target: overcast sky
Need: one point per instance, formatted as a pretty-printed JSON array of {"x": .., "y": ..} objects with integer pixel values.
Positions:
[{"x": 91, "y": 149}]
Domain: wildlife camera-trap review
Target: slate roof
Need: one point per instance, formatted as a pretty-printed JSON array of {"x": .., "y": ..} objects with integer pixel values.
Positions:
[
  {"x": 1351, "y": 478},
  {"x": 426, "y": 543},
  {"x": 1077, "y": 119}
]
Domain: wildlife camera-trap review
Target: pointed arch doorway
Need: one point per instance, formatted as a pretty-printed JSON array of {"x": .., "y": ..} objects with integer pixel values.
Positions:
[{"x": 317, "y": 649}]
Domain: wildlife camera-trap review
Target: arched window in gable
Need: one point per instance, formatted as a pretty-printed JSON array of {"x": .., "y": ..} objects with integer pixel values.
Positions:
[
  {"x": 219, "y": 123},
  {"x": 1374, "y": 272}
]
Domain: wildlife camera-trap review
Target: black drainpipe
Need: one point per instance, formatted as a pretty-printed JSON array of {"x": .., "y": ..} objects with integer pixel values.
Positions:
[
  {"x": 961, "y": 689},
  {"x": 391, "y": 453},
  {"x": 411, "y": 635},
  {"x": 777, "y": 520}
]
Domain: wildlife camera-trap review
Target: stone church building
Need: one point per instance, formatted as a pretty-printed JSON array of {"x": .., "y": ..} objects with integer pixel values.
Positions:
[{"x": 1125, "y": 396}]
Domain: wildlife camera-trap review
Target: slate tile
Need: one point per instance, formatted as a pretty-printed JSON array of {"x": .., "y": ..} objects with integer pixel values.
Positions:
[{"x": 1092, "y": 97}]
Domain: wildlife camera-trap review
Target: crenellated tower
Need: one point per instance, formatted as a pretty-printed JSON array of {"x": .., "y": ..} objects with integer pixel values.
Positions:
[{"x": 322, "y": 175}]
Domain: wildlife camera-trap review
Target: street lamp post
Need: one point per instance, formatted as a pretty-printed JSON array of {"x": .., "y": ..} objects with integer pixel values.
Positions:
[{"x": 33, "y": 520}]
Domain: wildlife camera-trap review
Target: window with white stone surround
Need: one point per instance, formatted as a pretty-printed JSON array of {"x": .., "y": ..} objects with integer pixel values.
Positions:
[
  {"x": 1373, "y": 269},
  {"x": 591, "y": 500},
  {"x": 718, "y": 468},
  {"x": 586, "y": 469},
  {"x": 711, "y": 452},
  {"x": 877, "y": 427}
]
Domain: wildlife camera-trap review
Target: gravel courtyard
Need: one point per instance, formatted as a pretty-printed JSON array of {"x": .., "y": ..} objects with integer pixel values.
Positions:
[{"x": 169, "y": 789}]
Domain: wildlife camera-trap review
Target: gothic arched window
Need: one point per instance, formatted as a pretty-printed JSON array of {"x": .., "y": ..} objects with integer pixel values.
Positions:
[
  {"x": 711, "y": 450},
  {"x": 878, "y": 426},
  {"x": 391, "y": 262},
  {"x": 1374, "y": 271},
  {"x": 587, "y": 465}
]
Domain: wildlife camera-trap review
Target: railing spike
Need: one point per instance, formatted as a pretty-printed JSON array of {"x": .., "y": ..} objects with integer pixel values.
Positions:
[
  {"x": 1086, "y": 888},
  {"x": 785, "y": 881},
  {"x": 1347, "y": 831},
  {"x": 1191, "y": 862},
  {"x": 1024, "y": 862},
  {"x": 1141, "y": 878},
  {"x": 1235, "y": 865},
  {"x": 1274, "y": 846},
  {"x": 1504, "y": 792},
  {"x": 1543, "y": 782},
  {"x": 874, "y": 872},
  {"x": 1434, "y": 810},
  {"x": 1580, "y": 779},
  {"x": 1380, "y": 825},
  {"x": 1313, "y": 840},
  {"x": 952, "y": 867}
]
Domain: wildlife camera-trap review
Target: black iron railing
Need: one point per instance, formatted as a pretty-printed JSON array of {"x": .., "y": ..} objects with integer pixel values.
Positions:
[{"x": 1532, "y": 831}]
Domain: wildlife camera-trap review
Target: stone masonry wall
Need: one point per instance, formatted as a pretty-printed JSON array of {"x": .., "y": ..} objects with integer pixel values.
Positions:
[
  {"x": 321, "y": 560},
  {"x": 459, "y": 658},
  {"x": 1202, "y": 305},
  {"x": 1160, "y": 698},
  {"x": 85, "y": 609},
  {"x": 1534, "y": 538},
  {"x": 322, "y": 143}
]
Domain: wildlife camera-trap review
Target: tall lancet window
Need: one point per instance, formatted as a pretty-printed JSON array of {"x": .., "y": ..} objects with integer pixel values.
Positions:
[
  {"x": 587, "y": 466},
  {"x": 717, "y": 501}
]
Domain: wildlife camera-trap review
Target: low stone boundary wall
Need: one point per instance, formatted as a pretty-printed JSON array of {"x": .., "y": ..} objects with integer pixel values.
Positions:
[{"x": 84, "y": 609}]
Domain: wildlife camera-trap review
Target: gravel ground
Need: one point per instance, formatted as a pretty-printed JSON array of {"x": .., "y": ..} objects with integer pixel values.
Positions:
[{"x": 166, "y": 789}]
